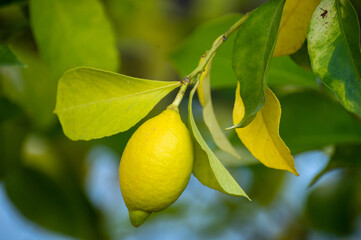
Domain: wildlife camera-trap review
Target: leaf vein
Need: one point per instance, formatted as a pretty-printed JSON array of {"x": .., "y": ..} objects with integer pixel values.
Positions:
[{"x": 115, "y": 98}]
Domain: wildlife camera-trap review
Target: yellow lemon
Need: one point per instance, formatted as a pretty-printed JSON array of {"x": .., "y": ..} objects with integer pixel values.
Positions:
[{"x": 156, "y": 165}]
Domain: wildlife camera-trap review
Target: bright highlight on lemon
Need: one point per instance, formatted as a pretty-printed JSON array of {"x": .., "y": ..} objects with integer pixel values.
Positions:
[{"x": 156, "y": 165}]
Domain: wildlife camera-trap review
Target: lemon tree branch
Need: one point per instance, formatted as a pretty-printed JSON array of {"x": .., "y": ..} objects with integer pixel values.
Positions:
[
  {"x": 217, "y": 43},
  {"x": 193, "y": 77}
]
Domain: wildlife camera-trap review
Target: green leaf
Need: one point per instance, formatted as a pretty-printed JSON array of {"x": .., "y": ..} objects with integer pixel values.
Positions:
[
  {"x": 253, "y": 50},
  {"x": 8, "y": 58},
  {"x": 93, "y": 103},
  {"x": 311, "y": 120},
  {"x": 285, "y": 72},
  {"x": 8, "y": 109},
  {"x": 73, "y": 33},
  {"x": 356, "y": 4},
  {"x": 207, "y": 168},
  {"x": 345, "y": 156},
  {"x": 334, "y": 48},
  {"x": 302, "y": 58},
  {"x": 262, "y": 195},
  {"x": 12, "y": 134},
  {"x": 31, "y": 87},
  {"x": 332, "y": 207}
]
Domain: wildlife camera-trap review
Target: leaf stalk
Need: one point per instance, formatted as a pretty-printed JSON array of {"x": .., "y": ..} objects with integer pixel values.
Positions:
[{"x": 179, "y": 97}]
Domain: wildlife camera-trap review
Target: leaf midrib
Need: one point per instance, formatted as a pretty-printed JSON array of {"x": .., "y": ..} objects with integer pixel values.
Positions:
[
  {"x": 273, "y": 140},
  {"x": 268, "y": 39},
  {"x": 267, "y": 62},
  {"x": 116, "y": 98},
  {"x": 289, "y": 15}
]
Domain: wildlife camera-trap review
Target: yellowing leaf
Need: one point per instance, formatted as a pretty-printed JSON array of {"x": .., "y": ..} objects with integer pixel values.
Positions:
[
  {"x": 204, "y": 75},
  {"x": 93, "y": 103},
  {"x": 210, "y": 119},
  {"x": 207, "y": 168},
  {"x": 294, "y": 23},
  {"x": 261, "y": 136},
  {"x": 334, "y": 49}
]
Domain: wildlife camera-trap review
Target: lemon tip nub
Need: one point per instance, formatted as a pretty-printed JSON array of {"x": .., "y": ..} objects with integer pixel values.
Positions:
[{"x": 137, "y": 217}]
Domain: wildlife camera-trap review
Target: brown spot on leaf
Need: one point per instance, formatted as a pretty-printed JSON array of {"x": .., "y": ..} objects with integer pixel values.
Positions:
[{"x": 324, "y": 14}]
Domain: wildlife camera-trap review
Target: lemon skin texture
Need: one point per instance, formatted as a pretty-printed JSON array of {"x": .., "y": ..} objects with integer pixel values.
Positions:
[{"x": 156, "y": 165}]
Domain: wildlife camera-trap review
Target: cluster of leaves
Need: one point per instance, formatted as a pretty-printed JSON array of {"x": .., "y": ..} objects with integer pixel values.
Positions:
[{"x": 93, "y": 104}]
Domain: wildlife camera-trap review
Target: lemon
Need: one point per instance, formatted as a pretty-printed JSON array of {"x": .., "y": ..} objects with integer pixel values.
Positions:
[{"x": 156, "y": 165}]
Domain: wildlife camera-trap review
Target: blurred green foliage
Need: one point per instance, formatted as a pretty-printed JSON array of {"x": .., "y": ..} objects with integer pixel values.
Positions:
[
  {"x": 7, "y": 57},
  {"x": 44, "y": 173},
  {"x": 331, "y": 207}
]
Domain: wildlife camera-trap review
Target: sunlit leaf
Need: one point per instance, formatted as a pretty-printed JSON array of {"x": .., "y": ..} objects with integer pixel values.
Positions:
[
  {"x": 73, "y": 33},
  {"x": 7, "y": 57},
  {"x": 261, "y": 136},
  {"x": 93, "y": 103},
  {"x": 252, "y": 52},
  {"x": 334, "y": 48},
  {"x": 345, "y": 156},
  {"x": 311, "y": 120},
  {"x": 210, "y": 119},
  {"x": 294, "y": 23},
  {"x": 207, "y": 168}
]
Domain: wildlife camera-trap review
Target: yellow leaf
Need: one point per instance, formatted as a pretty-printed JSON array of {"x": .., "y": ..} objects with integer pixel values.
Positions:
[
  {"x": 294, "y": 23},
  {"x": 210, "y": 119},
  {"x": 261, "y": 136},
  {"x": 204, "y": 75},
  {"x": 200, "y": 90}
]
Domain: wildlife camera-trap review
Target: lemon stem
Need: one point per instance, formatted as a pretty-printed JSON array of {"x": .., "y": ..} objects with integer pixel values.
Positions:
[
  {"x": 194, "y": 76},
  {"x": 179, "y": 97}
]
